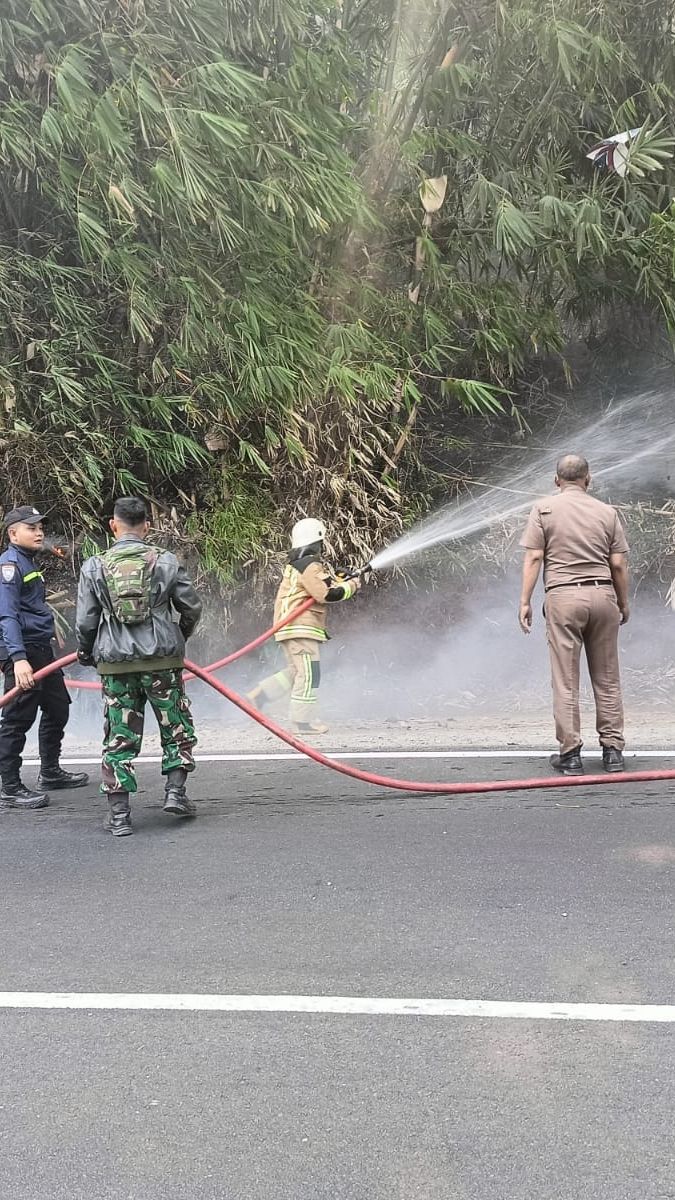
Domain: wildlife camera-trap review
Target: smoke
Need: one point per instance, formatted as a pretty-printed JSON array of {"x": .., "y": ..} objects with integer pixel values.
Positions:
[
  {"x": 480, "y": 664},
  {"x": 393, "y": 675},
  {"x": 442, "y": 648}
]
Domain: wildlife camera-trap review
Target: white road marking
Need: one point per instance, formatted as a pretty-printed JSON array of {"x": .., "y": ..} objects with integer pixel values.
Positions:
[
  {"x": 365, "y": 755},
  {"x": 374, "y": 1006}
]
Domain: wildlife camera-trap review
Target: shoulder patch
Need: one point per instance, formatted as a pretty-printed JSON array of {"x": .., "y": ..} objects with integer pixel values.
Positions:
[{"x": 8, "y": 571}]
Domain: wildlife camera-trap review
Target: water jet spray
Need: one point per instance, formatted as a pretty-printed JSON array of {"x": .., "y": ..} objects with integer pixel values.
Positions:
[{"x": 629, "y": 443}]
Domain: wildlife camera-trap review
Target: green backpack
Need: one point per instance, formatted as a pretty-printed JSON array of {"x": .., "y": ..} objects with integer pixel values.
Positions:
[{"x": 128, "y": 570}]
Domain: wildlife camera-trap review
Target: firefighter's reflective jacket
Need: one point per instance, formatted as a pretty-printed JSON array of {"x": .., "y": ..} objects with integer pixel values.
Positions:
[{"x": 305, "y": 575}]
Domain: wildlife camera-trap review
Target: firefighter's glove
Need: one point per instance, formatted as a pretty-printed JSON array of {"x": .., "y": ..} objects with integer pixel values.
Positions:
[{"x": 350, "y": 587}]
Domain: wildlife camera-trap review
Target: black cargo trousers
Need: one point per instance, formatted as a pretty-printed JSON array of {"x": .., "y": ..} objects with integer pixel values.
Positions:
[{"x": 49, "y": 695}]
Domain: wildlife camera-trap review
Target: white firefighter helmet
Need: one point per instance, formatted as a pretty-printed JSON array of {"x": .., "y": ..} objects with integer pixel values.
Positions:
[{"x": 307, "y": 532}]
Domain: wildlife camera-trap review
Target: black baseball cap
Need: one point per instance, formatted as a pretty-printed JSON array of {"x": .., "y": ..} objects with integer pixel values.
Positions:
[{"x": 25, "y": 514}]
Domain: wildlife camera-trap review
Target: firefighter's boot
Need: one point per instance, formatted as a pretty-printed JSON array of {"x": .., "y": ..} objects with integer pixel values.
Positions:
[{"x": 310, "y": 727}]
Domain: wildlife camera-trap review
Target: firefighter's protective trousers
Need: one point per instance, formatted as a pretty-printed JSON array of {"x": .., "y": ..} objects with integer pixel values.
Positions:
[{"x": 301, "y": 676}]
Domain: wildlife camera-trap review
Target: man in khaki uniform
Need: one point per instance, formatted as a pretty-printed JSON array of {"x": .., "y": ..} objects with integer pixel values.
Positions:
[
  {"x": 583, "y": 548},
  {"x": 305, "y": 576}
]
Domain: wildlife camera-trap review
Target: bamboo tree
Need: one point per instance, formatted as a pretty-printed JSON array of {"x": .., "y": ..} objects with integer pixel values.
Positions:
[{"x": 210, "y": 219}]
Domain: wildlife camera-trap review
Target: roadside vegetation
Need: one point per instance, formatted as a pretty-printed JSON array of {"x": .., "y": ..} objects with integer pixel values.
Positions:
[{"x": 261, "y": 259}]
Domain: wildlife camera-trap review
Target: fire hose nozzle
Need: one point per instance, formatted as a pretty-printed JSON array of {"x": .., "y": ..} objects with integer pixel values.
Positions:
[{"x": 357, "y": 573}]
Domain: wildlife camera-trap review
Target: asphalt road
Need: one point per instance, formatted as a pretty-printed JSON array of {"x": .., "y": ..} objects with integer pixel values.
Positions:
[{"x": 292, "y": 880}]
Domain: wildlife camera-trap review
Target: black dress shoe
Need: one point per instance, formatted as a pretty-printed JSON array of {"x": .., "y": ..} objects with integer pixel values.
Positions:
[
  {"x": 55, "y": 778},
  {"x": 16, "y": 795},
  {"x": 612, "y": 759},
  {"x": 568, "y": 764}
]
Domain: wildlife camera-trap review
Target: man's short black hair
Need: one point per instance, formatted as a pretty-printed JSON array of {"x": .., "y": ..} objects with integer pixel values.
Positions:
[{"x": 131, "y": 511}]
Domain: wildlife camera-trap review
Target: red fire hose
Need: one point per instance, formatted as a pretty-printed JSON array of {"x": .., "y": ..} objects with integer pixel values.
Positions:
[
  {"x": 230, "y": 658},
  {"x": 404, "y": 785},
  {"x": 409, "y": 785},
  {"x": 90, "y": 685},
  {"x": 55, "y": 666}
]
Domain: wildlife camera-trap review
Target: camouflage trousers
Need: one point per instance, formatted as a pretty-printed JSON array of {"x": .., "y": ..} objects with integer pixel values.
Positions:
[{"x": 124, "y": 700}]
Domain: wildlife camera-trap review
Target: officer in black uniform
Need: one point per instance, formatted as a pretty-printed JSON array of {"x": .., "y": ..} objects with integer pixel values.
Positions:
[{"x": 26, "y": 633}]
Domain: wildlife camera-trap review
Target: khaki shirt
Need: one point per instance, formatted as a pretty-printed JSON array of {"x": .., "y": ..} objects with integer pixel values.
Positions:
[{"x": 577, "y": 534}]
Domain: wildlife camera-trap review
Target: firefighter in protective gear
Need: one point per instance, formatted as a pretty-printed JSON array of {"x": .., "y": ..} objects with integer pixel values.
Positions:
[{"x": 305, "y": 576}]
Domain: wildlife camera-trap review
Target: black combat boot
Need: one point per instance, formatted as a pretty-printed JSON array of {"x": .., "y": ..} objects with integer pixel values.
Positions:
[
  {"x": 55, "y": 778},
  {"x": 612, "y": 759},
  {"x": 568, "y": 764},
  {"x": 15, "y": 795},
  {"x": 118, "y": 819},
  {"x": 176, "y": 800}
]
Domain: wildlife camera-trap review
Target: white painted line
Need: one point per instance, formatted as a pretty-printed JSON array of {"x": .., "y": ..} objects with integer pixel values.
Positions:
[
  {"x": 374, "y": 1006},
  {"x": 365, "y": 755}
]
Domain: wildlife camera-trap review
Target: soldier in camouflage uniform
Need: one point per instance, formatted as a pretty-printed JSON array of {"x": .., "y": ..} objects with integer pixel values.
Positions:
[
  {"x": 125, "y": 698},
  {"x": 125, "y": 625}
]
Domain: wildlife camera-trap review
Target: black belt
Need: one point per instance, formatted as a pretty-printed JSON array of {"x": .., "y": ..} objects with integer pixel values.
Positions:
[{"x": 582, "y": 583}]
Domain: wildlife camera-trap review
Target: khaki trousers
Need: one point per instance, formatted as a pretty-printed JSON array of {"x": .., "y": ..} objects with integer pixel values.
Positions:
[
  {"x": 589, "y": 617},
  {"x": 301, "y": 677}
]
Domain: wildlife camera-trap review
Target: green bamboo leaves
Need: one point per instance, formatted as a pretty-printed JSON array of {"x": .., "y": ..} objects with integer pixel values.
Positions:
[{"x": 214, "y": 216}]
